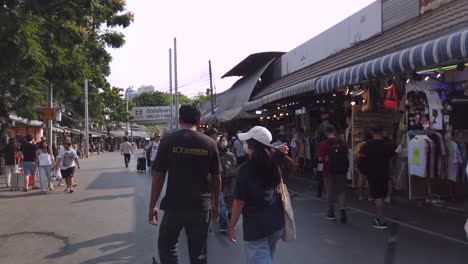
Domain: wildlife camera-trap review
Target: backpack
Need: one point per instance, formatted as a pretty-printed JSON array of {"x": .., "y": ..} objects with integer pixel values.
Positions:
[{"x": 338, "y": 161}]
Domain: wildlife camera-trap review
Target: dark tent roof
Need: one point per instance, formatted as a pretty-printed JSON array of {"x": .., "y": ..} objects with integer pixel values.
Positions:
[{"x": 252, "y": 63}]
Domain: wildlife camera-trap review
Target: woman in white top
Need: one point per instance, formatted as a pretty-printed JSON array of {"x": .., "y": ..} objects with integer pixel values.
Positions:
[{"x": 45, "y": 161}]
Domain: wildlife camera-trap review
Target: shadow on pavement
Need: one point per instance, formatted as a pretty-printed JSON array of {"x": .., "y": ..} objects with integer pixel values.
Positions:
[
  {"x": 124, "y": 243},
  {"x": 15, "y": 196},
  {"x": 104, "y": 198},
  {"x": 109, "y": 181}
]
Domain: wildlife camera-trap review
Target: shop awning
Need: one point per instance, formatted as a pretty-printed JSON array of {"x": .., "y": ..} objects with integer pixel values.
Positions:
[
  {"x": 95, "y": 133},
  {"x": 232, "y": 101},
  {"x": 31, "y": 123},
  {"x": 300, "y": 88},
  {"x": 434, "y": 52}
]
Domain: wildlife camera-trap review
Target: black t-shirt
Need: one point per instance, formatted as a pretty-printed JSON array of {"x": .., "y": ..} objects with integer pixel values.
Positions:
[
  {"x": 9, "y": 154},
  {"x": 376, "y": 155},
  {"x": 29, "y": 152},
  {"x": 263, "y": 210},
  {"x": 190, "y": 158}
]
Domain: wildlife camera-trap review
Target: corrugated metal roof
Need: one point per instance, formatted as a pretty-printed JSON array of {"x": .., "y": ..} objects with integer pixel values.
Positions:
[
  {"x": 450, "y": 18},
  {"x": 252, "y": 63}
]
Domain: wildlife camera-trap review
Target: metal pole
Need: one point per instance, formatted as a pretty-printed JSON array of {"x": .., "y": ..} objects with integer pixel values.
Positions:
[
  {"x": 170, "y": 90},
  {"x": 126, "y": 101},
  {"x": 50, "y": 103},
  {"x": 176, "y": 86},
  {"x": 86, "y": 135},
  {"x": 211, "y": 88}
]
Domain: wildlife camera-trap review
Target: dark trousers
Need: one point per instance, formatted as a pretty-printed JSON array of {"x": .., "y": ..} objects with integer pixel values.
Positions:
[
  {"x": 196, "y": 228},
  {"x": 320, "y": 183},
  {"x": 126, "y": 159}
]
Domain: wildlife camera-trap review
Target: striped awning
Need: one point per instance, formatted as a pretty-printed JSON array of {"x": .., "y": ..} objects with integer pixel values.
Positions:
[
  {"x": 434, "y": 52},
  {"x": 299, "y": 88}
]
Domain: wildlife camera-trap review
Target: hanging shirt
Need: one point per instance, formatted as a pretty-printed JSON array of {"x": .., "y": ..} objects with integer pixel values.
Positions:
[
  {"x": 417, "y": 157},
  {"x": 154, "y": 150},
  {"x": 454, "y": 160},
  {"x": 418, "y": 110},
  {"x": 435, "y": 109}
]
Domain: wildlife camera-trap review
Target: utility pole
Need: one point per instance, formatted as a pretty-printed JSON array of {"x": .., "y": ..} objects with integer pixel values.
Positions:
[
  {"x": 86, "y": 135},
  {"x": 126, "y": 101},
  {"x": 176, "y": 86},
  {"x": 211, "y": 88},
  {"x": 50, "y": 104},
  {"x": 171, "y": 98}
]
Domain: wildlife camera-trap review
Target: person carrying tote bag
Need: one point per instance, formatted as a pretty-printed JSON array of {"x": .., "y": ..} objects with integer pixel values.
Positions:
[{"x": 262, "y": 198}]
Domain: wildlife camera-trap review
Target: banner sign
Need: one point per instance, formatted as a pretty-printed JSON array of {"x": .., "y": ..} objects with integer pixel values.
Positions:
[
  {"x": 156, "y": 114},
  {"x": 48, "y": 113},
  {"x": 428, "y": 5}
]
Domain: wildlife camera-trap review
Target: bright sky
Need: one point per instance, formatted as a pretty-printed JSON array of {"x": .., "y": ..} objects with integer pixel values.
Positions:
[{"x": 224, "y": 32}]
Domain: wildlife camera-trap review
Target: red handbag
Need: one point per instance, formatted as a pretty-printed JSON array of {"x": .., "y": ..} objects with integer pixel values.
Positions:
[{"x": 391, "y": 99}]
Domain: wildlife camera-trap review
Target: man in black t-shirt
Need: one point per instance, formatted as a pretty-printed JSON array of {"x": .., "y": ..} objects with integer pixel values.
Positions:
[
  {"x": 29, "y": 151},
  {"x": 191, "y": 161},
  {"x": 376, "y": 155}
]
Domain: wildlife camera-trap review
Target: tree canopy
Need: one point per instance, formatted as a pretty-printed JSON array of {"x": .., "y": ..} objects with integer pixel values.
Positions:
[
  {"x": 158, "y": 99},
  {"x": 115, "y": 109},
  {"x": 59, "y": 42}
]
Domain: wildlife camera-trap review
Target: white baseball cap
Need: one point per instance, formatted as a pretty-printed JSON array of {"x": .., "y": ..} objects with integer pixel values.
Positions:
[{"x": 259, "y": 133}]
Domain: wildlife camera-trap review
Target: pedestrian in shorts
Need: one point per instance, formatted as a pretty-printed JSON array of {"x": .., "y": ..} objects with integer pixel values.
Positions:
[
  {"x": 377, "y": 154},
  {"x": 67, "y": 161}
]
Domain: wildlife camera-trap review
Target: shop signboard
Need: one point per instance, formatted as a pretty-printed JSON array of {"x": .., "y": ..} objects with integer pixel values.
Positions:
[
  {"x": 301, "y": 111},
  {"x": 48, "y": 113},
  {"x": 155, "y": 114},
  {"x": 428, "y": 5},
  {"x": 361, "y": 26}
]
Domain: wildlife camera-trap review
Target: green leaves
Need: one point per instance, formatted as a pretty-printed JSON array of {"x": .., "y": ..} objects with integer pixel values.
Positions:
[{"x": 60, "y": 42}]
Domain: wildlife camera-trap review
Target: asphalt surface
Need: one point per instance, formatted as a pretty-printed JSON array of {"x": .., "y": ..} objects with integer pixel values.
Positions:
[{"x": 104, "y": 221}]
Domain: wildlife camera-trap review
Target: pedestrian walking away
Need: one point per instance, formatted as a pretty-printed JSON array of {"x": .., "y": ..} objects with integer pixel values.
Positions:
[
  {"x": 10, "y": 155},
  {"x": 228, "y": 176},
  {"x": 376, "y": 155},
  {"x": 126, "y": 150},
  {"x": 152, "y": 149},
  {"x": 67, "y": 160},
  {"x": 238, "y": 150},
  {"x": 45, "y": 161},
  {"x": 334, "y": 155},
  {"x": 257, "y": 197},
  {"x": 191, "y": 162},
  {"x": 29, "y": 152}
]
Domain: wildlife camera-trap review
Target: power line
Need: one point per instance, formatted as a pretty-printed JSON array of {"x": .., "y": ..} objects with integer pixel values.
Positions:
[{"x": 201, "y": 74}]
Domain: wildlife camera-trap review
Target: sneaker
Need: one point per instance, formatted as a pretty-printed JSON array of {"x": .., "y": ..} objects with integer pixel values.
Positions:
[
  {"x": 379, "y": 224},
  {"x": 331, "y": 217},
  {"x": 224, "y": 229},
  {"x": 344, "y": 217}
]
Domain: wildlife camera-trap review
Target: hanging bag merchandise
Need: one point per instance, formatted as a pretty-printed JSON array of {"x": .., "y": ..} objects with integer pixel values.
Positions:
[
  {"x": 289, "y": 224},
  {"x": 366, "y": 103},
  {"x": 391, "y": 100}
]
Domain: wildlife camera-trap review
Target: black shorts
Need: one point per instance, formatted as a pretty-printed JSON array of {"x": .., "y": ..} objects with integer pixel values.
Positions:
[
  {"x": 378, "y": 187},
  {"x": 68, "y": 172}
]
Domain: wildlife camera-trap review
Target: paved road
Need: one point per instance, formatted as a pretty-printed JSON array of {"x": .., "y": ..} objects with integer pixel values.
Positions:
[{"x": 104, "y": 221}]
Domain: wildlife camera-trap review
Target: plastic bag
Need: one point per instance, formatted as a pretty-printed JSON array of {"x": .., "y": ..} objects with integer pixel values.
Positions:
[{"x": 56, "y": 175}]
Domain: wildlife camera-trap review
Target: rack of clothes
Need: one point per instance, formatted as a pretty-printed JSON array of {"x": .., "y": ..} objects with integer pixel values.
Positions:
[{"x": 432, "y": 157}]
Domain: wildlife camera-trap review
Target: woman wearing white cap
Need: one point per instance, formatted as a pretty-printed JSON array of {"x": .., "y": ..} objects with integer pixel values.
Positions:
[{"x": 257, "y": 197}]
